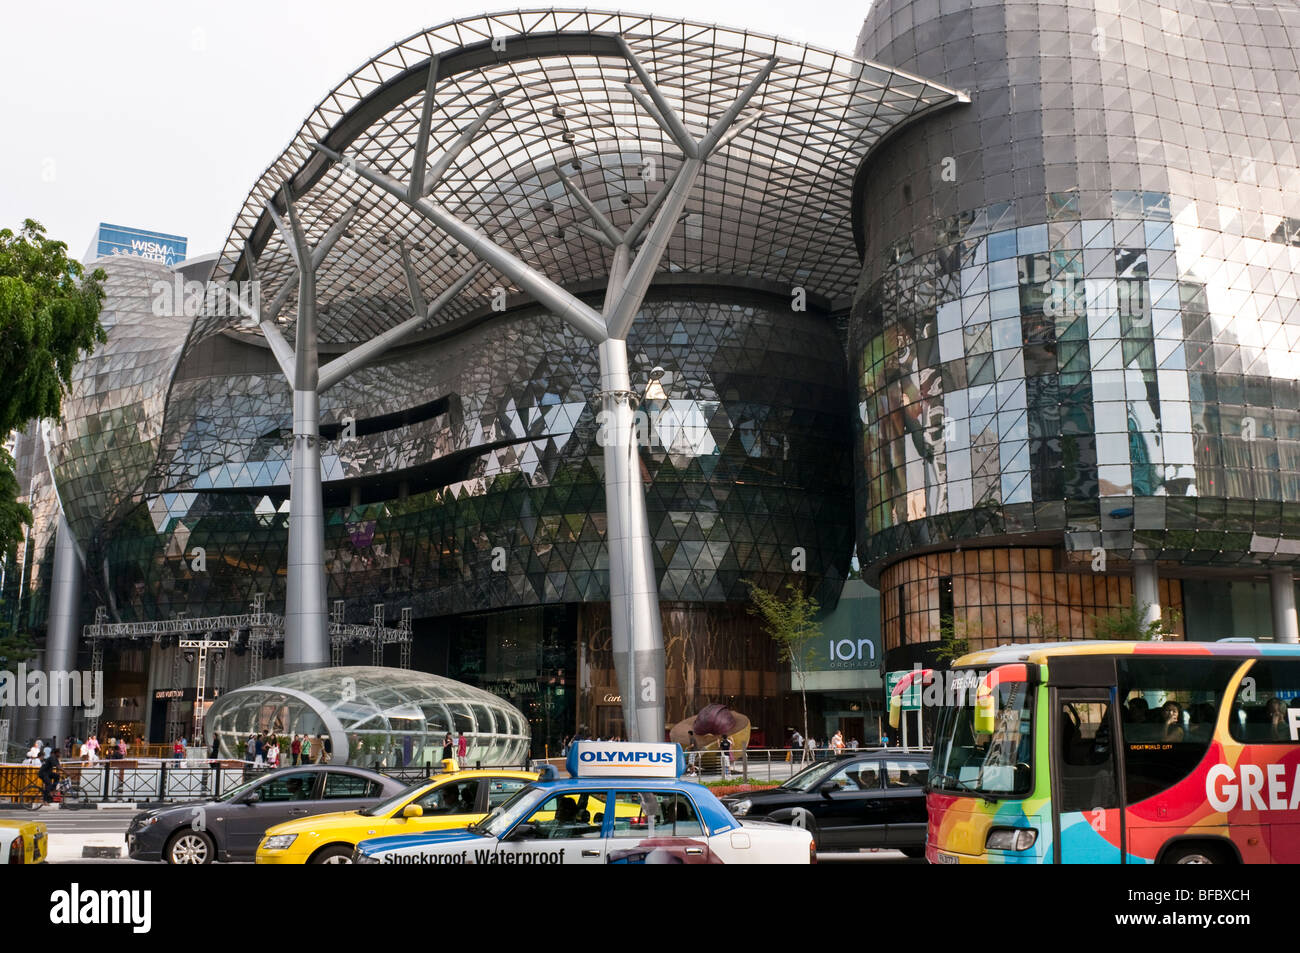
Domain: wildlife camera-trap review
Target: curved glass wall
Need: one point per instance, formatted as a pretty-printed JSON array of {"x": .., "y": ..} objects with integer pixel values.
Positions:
[
  {"x": 375, "y": 716},
  {"x": 747, "y": 461},
  {"x": 1077, "y": 316}
]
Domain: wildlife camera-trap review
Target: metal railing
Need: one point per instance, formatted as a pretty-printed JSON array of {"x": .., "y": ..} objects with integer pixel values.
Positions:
[
  {"x": 774, "y": 765},
  {"x": 139, "y": 781}
]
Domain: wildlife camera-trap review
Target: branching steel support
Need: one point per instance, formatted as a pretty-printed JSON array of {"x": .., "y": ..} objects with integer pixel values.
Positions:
[
  {"x": 634, "y": 605},
  {"x": 306, "y": 620}
]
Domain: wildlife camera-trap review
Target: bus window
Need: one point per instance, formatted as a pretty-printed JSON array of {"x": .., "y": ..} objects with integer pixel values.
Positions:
[
  {"x": 1267, "y": 707},
  {"x": 1168, "y": 708},
  {"x": 1087, "y": 757}
]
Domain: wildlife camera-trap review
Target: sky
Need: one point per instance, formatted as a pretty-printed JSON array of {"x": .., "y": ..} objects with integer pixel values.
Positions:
[{"x": 161, "y": 115}]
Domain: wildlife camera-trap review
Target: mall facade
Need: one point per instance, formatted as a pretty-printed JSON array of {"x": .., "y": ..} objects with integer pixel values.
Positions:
[{"x": 1020, "y": 332}]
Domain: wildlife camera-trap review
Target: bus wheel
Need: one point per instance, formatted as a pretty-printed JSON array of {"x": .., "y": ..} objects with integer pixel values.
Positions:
[{"x": 1195, "y": 854}]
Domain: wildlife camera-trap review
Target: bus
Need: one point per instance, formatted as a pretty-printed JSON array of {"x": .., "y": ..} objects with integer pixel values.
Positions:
[{"x": 1117, "y": 753}]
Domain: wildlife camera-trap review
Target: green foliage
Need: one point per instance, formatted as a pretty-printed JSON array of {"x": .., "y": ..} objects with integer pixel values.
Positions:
[
  {"x": 792, "y": 624},
  {"x": 15, "y": 647},
  {"x": 1126, "y": 625},
  {"x": 1041, "y": 630},
  {"x": 49, "y": 319},
  {"x": 954, "y": 638}
]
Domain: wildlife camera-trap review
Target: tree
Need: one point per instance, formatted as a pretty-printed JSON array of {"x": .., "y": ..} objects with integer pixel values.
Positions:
[
  {"x": 49, "y": 320},
  {"x": 954, "y": 638},
  {"x": 1126, "y": 625},
  {"x": 791, "y": 624}
]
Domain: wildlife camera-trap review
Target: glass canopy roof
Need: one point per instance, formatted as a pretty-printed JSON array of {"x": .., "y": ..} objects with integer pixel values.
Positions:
[{"x": 772, "y": 206}]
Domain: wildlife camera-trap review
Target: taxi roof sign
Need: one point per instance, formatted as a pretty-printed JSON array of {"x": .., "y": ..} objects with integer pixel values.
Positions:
[{"x": 625, "y": 759}]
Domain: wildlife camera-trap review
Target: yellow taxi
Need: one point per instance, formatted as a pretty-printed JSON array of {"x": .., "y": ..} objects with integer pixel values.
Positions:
[
  {"x": 443, "y": 802},
  {"x": 23, "y": 842}
]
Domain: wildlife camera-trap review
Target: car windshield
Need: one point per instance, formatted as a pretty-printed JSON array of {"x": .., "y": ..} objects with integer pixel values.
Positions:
[
  {"x": 809, "y": 778},
  {"x": 394, "y": 802},
  {"x": 504, "y": 815}
]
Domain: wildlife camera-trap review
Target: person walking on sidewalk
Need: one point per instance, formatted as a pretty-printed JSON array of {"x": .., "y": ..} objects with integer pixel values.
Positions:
[
  {"x": 724, "y": 746},
  {"x": 462, "y": 750}
]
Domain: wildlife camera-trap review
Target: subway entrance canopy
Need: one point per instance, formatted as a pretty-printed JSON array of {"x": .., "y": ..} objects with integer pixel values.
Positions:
[{"x": 560, "y": 158}]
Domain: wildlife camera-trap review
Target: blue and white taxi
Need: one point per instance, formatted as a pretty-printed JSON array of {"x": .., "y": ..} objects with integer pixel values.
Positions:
[{"x": 623, "y": 803}]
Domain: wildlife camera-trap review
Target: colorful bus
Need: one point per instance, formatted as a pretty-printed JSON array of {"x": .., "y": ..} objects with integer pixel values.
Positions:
[{"x": 1117, "y": 752}]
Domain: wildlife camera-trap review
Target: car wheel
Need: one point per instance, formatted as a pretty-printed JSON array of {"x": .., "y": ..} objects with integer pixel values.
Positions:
[
  {"x": 190, "y": 847},
  {"x": 1195, "y": 854},
  {"x": 338, "y": 854}
]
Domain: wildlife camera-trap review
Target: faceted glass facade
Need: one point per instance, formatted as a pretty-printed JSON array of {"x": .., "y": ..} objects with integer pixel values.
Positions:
[
  {"x": 746, "y": 460},
  {"x": 1078, "y": 315}
]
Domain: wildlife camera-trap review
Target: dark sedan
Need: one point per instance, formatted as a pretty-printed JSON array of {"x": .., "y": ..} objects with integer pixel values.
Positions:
[
  {"x": 230, "y": 827},
  {"x": 874, "y": 799}
]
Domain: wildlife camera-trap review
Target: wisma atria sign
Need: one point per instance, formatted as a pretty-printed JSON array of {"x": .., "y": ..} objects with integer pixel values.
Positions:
[{"x": 109, "y": 240}]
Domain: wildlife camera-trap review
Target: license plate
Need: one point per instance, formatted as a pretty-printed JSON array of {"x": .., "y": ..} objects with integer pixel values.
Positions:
[{"x": 946, "y": 858}]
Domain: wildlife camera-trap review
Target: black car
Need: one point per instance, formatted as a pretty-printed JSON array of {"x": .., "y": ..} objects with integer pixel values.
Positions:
[
  {"x": 874, "y": 799},
  {"x": 230, "y": 827}
]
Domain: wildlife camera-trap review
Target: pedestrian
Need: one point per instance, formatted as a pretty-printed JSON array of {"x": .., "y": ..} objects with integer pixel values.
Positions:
[
  {"x": 853, "y": 744},
  {"x": 462, "y": 750},
  {"x": 273, "y": 752},
  {"x": 295, "y": 749},
  {"x": 884, "y": 740},
  {"x": 250, "y": 748},
  {"x": 724, "y": 746},
  {"x": 93, "y": 744},
  {"x": 259, "y": 749},
  {"x": 837, "y": 744},
  {"x": 214, "y": 753},
  {"x": 121, "y": 747},
  {"x": 34, "y": 753},
  {"x": 448, "y": 745},
  {"x": 178, "y": 749},
  {"x": 185, "y": 747},
  {"x": 327, "y": 749},
  {"x": 810, "y": 748},
  {"x": 49, "y": 774},
  {"x": 796, "y": 744},
  {"x": 693, "y": 747}
]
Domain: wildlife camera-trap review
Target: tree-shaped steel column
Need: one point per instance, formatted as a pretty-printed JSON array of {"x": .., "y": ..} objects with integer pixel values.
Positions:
[
  {"x": 634, "y": 592},
  {"x": 306, "y": 618}
]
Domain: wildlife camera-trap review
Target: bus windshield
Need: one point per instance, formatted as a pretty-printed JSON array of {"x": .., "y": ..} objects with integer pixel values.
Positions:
[{"x": 997, "y": 764}]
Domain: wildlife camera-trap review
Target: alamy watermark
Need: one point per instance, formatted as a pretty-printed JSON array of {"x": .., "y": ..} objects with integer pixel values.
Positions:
[
  {"x": 56, "y": 689},
  {"x": 178, "y": 297}
]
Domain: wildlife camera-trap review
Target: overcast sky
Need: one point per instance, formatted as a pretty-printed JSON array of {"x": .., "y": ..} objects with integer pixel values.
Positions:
[{"x": 160, "y": 115}]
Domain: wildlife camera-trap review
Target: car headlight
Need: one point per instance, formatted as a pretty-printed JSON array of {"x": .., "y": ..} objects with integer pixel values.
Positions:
[
  {"x": 1011, "y": 838},
  {"x": 279, "y": 841},
  {"x": 148, "y": 820},
  {"x": 741, "y": 808}
]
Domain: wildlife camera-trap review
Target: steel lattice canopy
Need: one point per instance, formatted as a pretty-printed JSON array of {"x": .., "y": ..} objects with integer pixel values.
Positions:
[{"x": 773, "y": 206}]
